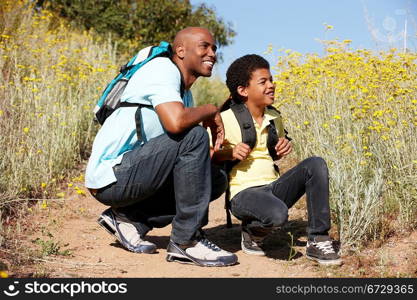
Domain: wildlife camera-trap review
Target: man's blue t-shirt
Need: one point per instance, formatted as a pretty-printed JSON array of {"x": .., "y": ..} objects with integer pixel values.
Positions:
[{"x": 155, "y": 83}]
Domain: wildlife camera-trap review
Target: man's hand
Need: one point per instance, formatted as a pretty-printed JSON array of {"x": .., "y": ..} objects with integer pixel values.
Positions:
[
  {"x": 241, "y": 151},
  {"x": 217, "y": 130},
  {"x": 283, "y": 147}
]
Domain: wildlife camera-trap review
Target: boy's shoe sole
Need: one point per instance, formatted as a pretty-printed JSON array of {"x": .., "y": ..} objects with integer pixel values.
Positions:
[
  {"x": 176, "y": 254},
  {"x": 107, "y": 221},
  {"x": 333, "y": 262},
  {"x": 251, "y": 252}
]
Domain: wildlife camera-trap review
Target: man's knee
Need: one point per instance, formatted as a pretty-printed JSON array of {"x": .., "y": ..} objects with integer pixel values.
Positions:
[
  {"x": 195, "y": 139},
  {"x": 198, "y": 133}
]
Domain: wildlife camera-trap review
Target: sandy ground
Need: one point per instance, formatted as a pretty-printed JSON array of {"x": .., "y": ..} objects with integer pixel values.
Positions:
[
  {"x": 70, "y": 224},
  {"x": 95, "y": 253}
]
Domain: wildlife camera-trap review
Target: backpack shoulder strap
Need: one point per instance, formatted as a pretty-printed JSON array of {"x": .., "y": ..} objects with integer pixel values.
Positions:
[
  {"x": 145, "y": 55},
  {"x": 182, "y": 86},
  {"x": 245, "y": 120},
  {"x": 275, "y": 131},
  {"x": 248, "y": 131},
  {"x": 278, "y": 124}
]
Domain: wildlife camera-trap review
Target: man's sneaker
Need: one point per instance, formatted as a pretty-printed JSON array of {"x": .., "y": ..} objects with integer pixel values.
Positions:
[
  {"x": 202, "y": 253},
  {"x": 125, "y": 232},
  {"x": 251, "y": 244},
  {"x": 321, "y": 250}
]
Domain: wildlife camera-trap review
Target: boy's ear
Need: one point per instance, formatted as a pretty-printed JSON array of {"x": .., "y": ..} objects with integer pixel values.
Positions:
[{"x": 242, "y": 91}]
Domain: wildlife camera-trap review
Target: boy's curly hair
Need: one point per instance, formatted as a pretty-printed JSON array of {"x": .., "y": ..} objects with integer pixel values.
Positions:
[{"x": 240, "y": 72}]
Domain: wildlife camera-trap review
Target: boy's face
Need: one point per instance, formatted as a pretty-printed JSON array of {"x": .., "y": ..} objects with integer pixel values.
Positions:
[{"x": 261, "y": 88}]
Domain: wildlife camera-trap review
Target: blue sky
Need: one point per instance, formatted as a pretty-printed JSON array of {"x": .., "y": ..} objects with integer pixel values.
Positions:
[{"x": 297, "y": 24}]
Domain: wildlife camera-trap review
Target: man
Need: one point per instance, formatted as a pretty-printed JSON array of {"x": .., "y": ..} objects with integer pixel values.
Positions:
[{"x": 167, "y": 177}]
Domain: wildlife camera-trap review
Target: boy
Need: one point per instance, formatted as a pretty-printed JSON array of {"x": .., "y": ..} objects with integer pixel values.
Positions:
[{"x": 258, "y": 198}]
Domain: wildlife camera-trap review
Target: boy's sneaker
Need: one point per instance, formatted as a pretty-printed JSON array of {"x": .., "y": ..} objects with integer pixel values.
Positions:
[
  {"x": 251, "y": 244},
  {"x": 321, "y": 250},
  {"x": 202, "y": 253},
  {"x": 125, "y": 232}
]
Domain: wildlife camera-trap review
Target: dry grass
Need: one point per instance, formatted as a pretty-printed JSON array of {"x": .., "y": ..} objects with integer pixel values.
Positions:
[
  {"x": 357, "y": 110},
  {"x": 50, "y": 79}
]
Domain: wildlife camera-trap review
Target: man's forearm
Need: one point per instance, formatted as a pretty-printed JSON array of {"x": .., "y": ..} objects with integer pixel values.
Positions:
[{"x": 192, "y": 116}]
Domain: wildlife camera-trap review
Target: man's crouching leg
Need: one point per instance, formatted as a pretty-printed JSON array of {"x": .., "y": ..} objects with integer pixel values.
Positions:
[{"x": 192, "y": 188}]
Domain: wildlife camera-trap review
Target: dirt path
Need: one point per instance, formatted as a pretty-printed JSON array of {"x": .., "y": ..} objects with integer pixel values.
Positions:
[
  {"x": 71, "y": 225},
  {"x": 95, "y": 253}
]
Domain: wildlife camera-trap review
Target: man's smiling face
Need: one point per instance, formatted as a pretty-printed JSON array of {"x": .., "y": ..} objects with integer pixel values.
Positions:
[{"x": 200, "y": 53}]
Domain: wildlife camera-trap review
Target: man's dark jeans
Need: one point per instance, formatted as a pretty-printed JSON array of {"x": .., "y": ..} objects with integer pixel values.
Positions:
[
  {"x": 169, "y": 179},
  {"x": 264, "y": 207}
]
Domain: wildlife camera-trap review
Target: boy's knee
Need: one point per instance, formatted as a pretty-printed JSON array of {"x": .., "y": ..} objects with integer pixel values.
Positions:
[
  {"x": 317, "y": 163},
  {"x": 277, "y": 217}
]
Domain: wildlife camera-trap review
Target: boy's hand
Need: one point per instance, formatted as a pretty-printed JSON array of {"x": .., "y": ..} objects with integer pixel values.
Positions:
[
  {"x": 283, "y": 147},
  {"x": 241, "y": 151}
]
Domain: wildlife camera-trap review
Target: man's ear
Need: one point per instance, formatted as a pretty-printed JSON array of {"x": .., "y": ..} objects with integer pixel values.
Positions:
[
  {"x": 242, "y": 91},
  {"x": 180, "y": 51}
]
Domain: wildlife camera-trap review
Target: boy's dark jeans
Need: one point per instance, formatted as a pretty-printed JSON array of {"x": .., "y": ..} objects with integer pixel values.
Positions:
[
  {"x": 263, "y": 207},
  {"x": 169, "y": 179}
]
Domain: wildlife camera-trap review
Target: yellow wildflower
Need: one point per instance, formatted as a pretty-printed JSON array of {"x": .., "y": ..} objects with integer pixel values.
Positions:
[
  {"x": 80, "y": 192},
  {"x": 4, "y": 274}
]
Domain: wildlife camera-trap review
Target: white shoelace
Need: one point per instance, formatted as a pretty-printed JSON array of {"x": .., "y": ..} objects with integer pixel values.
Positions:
[{"x": 325, "y": 246}]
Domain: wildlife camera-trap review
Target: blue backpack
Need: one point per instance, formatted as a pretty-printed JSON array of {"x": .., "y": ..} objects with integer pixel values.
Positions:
[{"x": 110, "y": 99}]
